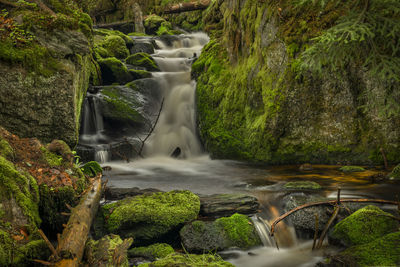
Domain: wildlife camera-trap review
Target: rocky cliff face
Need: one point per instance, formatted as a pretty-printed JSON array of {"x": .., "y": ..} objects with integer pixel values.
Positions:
[{"x": 253, "y": 104}]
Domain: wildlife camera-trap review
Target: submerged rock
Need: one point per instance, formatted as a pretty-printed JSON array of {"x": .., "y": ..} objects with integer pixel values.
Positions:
[
  {"x": 301, "y": 185},
  {"x": 152, "y": 252},
  {"x": 235, "y": 231},
  {"x": 189, "y": 260},
  {"x": 222, "y": 205},
  {"x": 363, "y": 226},
  {"x": 351, "y": 169},
  {"x": 149, "y": 217}
]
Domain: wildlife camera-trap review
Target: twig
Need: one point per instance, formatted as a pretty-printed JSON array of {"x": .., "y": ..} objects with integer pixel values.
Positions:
[
  {"x": 331, "y": 202},
  {"x": 333, "y": 217},
  {"x": 316, "y": 231},
  {"x": 49, "y": 244},
  {"x": 46, "y": 263},
  {"x": 152, "y": 129}
]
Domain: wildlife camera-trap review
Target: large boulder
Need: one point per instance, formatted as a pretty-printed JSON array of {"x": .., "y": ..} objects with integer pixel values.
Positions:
[
  {"x": 114, "y": 71},
  {"x": 153, "y": 23},
  {"x": 189, "y": 260},
  {"x": 223, "y": 205},
  {"x": 142, "y": 60},
  {"x": 143, "y": 46},
  {"x": 150, "y": 217},
  {"x": 363, "y": 226},
  {"x": 115, "y": 46},
  {"x": 395, "y": 174},
  {"x": 235, "y": 231}
]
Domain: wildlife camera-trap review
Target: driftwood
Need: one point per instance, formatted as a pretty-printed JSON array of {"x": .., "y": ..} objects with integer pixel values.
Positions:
[
  {"x": 331, "y": 202},
  {"x": 113, "y": 24},
  {"x": 185, "y": 7},
  {"x": 331, "y": 220},
  {"x": 71, "y": 244}
]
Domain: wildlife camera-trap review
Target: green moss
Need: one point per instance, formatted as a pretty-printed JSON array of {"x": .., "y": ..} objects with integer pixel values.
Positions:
[
  {"x": 239, "y": 230},
  {"x": 140, "y": 74},
  {"x": 152, "y": 23},
  {"x": 51, "y": 159},
  {"x": 5, "y": 149},
  {"x": 352, "y": 169},
  {"x": 395, "y": 174},
  {"x": 21, "y": 187},
  {"x": 143, "y": 60},
  {"x": 115, "y": 46},
  {"x": 189, "y": 260},
  {"x": 148, "y": 217},
  {"x": 384, "y": 251},
  {"x": 363, "y": 226},
  {"x": 92, "y": 168},
  {"x": 302, "y": 185},
  {"x": 155, "y": 251},
  {"x": 113, "y": 70},
  {"x": 165, "y": 29},
  {"x": 6, "y": 248},
  {"x": 34, "y": 250}
]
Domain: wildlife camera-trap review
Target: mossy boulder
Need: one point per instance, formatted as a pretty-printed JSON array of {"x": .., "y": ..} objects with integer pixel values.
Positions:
[
  {"x": 152, "y": 23},
  {"x": 5, "y": 149},
  {"x": 142, "y": 47},
  {"x": 61, "y": 149},
  {"x": 395, "y": 174},
  {"x": 142, "y": 60},
  {"x": 114, "y": 71},
  {"x": 352, "y": 169},
  {"x": 152, "y": 252},
  {"x": 302, "y": 185},
  {"x": 110, "y": 250},
  {"x": 186, "y": 260},
  {"x": 140, "y": 74},
  {"x": 115, "y": 46},
  {"x": 150, "y": 217},
  {"x": 383, "y": 251},
  {"x": 92, "y": 168},
  {"x": 363, "y": 226},
  {"x": 235, "y": 231}
]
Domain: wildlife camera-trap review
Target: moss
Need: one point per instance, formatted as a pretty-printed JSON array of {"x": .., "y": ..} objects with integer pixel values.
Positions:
[
  {"x": 165, "y": 29},
  {"x": 104, "y": 33},
  {"x": 51, "y": 159},
  {"x": 149, "y": 217},
  {"x": 34, "y": 250},
  {"x": 5, "y": 149},
  {"x": 115, "y": 46},
  {"x": 6, "y": 248},
  {"x": 92, "y": 168},
  {"x": 239, "y": 230},
  {"x": 352, "y": 169},
  {"x": 384, "y": 251},
  {"x": 140, "y": 74},
  {"x": 189, "y": 260},
  {"x": 113, "y": 70},
  {"x": 143, "y": 60},
  {"x": 152, "y": 23},
  {"x": 21, "y": 187},
  {"x": 363, "y": 226},
  {"x": 155, "y": 251},
  {"x": 302, "y": 185},
  {"x": 395, "y": 174},
  {"x": 60, "y": 148}
]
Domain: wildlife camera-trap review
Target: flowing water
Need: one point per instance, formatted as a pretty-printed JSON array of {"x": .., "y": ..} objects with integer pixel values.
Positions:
[{"x": 194, "y": 170}]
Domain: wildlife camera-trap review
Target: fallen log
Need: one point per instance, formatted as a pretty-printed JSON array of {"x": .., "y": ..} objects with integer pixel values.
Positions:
[
  {"x": 72, "y": 241},
  {"x": 7, "y": 3},
  {"x": 185, "y": 7},
  {"x": 113, "y": 24},
  {"x": 331, "y": 202}
]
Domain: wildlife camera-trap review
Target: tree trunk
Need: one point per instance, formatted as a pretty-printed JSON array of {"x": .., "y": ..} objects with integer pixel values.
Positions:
[
  {"x": 184, "y": 7},
  {"x": 71, "y": 244}
]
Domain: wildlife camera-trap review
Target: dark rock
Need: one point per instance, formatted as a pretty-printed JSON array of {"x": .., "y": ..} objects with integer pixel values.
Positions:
[
  {"x": 176, "y": 153},
  {"x": 306, "y": 167},
  {"x": 112, "y": 193},
  {"x": 114, "y": 71},
  {"x": 222, "y": 205},
  {"x": 142, "y": 46}
]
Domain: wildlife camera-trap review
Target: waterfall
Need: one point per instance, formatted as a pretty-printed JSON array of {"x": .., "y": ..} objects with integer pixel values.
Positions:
[
  {"x": 176, "y": 127},
  {"x": 264, "y": 231}
]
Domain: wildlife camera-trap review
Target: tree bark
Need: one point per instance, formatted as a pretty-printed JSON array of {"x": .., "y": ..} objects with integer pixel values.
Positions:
[
  {"x": 44, "y": 7},
  {"x": 72, "y": 241},
  {"x": 7, "y": 3},
  {"x": 184, "y": 7}
]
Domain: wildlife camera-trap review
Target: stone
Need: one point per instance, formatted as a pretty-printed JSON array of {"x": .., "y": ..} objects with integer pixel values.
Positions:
[
  {"x": 115, "y": 46},
  {"x": 302, "y": 185},
  {"x": 152, "y": 23},
  {"x": 142, "y": 60},
  {"x": 306, "y": 167},
  {"x": 112, "y": 193},
  {"x": 235, "y": 231},
  {"x": 189, "y": 260},
  {"x": 150, "y": 217},
  {"x": 395, "y": 174},
  {"x": 351, "y": 169},
  {"x": 114, "y": 71},
  {"x": 142, "y": 47},
  {"x": 92, "y": 168},
  {"x": 363, "y": 226},
  {"x": 152, "y": 252},
  {"x": 223, "y": 205}
]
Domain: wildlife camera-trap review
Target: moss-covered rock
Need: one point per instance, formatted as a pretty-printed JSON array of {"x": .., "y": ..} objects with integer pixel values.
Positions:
[
  {"x": 300, "y": 185},
  {"x": 235, "y": 231},
  {"x": 92, "y": 168},
  {"x": 61, "y": 148},
  {"x": 149, "y": 217},
  {"x": 5, "y": 149},
  {"x": 143, "y": 60},
  {"x": 114, "y": 71},
  {"x": 383, "y": 251},
  {"x": 140, "y": 74},
  {"x": 110, "y": 250},
  {"x": 186, "y": 260},
  {"x": 352, "y": 169},
  {"x": 115, "y": 46},
  {"x": 152, "y": 252},
  {"x": 50, "y": 158},
  {"x": 363, "y": 226},
  {"x": 152, "y": 24},
  {"x": 395, "y": 174}
]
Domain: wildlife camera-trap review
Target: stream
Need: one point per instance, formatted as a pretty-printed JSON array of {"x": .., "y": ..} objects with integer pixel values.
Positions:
[{"x": 194, "y": 170}]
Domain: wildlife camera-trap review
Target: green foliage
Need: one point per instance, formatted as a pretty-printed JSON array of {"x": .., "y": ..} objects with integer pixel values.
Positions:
[{"x": 155, "y": 251}]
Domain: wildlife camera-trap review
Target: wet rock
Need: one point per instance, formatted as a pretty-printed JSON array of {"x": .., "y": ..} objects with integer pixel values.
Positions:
[
  {"x": 152, "y": 252},
  {"x": 351, "y": 169},
  {"x": 190, "y": 260},
  {"x": 143, "y": 46},
  {"x": 125, "y": 149},
  {"x": 112, "y": 193},
  {"x": 114, "y": 71},
  {"x": 115, "y": 46},
  {"x": 225, "y": 232},
  {"x": 222, "y": 205},
  {"x": 306, "y": 167},
  {"x": 92, "y": 168},
  {"x": 176, "y": 153},
  {"x": 142, "y": 60},
  {"x": 302, "y": 185},
  {"x": 363, "y": 226},
  {"x": 395, "y": 174},
  {"x": 139, "y": 74},
  {"x": 150, "y": 217}
]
